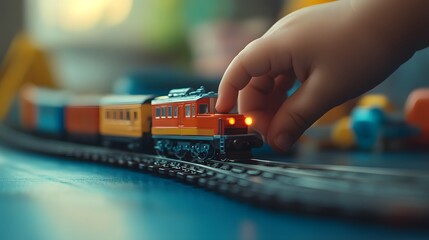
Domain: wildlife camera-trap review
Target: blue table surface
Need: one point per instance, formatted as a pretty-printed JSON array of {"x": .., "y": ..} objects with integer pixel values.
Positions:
[{"x": 51, "y": 198}]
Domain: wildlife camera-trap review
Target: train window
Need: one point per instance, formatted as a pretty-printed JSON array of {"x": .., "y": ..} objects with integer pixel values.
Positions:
[
  {"x": 163, "y": 112},
  {"x": 157, "y": 112},
  {"x": 169, "y": 112},
  {"x": 175, "y": 111},
  {"x": 193, "y": 110},
  {"x": 107, "y": 114},
  {"x": 203, "y": 108},
  {"x": 128, "y": 116},
  {"x": 114, "y": 114},
  {"x": 121, "y": 114},
  {"x": 135, "y": 116},
  {"x": 187, "y": 110}
]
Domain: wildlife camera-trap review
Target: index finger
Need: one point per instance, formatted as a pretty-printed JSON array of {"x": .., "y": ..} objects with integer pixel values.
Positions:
[{"x": 253, "y": 61}]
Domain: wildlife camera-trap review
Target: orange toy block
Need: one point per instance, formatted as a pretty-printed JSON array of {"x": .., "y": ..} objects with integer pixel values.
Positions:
[{"x": 417, "y": 113}]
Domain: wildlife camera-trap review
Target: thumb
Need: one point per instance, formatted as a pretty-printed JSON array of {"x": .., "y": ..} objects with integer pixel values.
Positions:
[{"x": 299, "y": 112}]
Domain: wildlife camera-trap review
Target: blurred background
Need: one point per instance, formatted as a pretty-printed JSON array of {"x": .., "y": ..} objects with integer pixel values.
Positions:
[
  {"x": 11, "y": 22},
  {"x": 92, "y": 45}
]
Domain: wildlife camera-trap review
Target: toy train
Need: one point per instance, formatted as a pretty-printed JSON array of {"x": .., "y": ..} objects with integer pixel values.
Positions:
[{"x": 182, "y": 125}]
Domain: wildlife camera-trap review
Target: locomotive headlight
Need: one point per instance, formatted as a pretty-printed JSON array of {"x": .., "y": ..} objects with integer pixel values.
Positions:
[
  {"x": 231, "y": 121},
  {"x": 248, "y": 121}
]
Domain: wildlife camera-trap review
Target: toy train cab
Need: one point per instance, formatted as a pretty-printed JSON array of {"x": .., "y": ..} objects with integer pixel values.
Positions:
[{"x": 186, "y": 126}]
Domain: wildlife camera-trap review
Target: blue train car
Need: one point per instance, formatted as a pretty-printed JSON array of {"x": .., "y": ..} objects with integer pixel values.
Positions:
[{"x": 50, "y": 107}]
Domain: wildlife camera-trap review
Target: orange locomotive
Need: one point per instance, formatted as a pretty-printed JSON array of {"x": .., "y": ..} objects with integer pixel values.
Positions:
[{"x": 185, "y": 125}]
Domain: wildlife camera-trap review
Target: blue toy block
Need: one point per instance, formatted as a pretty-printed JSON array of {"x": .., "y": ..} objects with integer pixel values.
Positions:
[{"x": 367, "y": 125}]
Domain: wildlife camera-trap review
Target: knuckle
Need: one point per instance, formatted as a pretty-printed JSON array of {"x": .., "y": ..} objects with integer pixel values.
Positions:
[
  {"x": 300, "y": 122},
  {"x": 299, "y": 119}
]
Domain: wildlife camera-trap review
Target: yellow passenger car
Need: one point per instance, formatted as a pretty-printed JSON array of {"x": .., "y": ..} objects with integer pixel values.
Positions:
[{"x": 125, "y": 122}]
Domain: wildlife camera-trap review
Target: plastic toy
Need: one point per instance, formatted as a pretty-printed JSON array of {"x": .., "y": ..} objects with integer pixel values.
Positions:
[
  {"x": 417, "y": 114},
  {"x": 50, "y": 112},
  {"x": 182, "y": 125},
  {"x": 125, "y": 122},
  {"x": 372, "y": 125},
  {"x": 82, "y": 119},
  {"x": 379, "y": 101},
  {"x": 25, "y": 63},
  {"x": 366, "y": 124},
  {"x": 185, "y": 125},
  {"x": 27, "y": 107},
  {"x": 342, "y": 135},
  {"x": 374, "y": 129}
]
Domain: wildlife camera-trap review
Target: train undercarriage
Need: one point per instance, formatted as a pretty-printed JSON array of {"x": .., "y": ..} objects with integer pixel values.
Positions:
[{"x": 222, "y": 147}]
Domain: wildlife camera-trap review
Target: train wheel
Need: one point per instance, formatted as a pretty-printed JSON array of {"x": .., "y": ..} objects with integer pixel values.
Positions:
[
  {"x": 168, "y": 148},
  {"x": 181, "y": 151},
  {"x": 159, "y": 148},
  {"x": 222, "y": 157},
  {"x": 202, "y": 151}
]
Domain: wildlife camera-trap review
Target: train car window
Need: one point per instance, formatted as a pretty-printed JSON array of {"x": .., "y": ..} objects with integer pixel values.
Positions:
[
  {"x": 128, "y": 116},
  {"x": 163, "y": 112},
  {"x": 121, "y": 114},
  {"x": 114, "y": 114},
  {"x": 187, "y": 110},
  {"x": 193, "y": 110},
  {"x": 203, "y": 108},
  {"x": 107, "y": 115},
  {"x": 135, "y": 116},
  {"x": 175, "y": 111},
  {"x": 169, "y": 112},
  {"x": 157, "y": 112}
]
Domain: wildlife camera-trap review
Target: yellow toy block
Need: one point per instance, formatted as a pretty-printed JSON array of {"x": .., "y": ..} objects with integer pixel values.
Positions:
[
  {"x": 376, "y": 100},
  {"x": 342, "y": 135},
  {"x": 24, "y": 63}
]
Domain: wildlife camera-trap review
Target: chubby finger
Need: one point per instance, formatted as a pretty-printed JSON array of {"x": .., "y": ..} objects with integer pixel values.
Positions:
[
  {"x": 253, "y": 61},
  {"x": 299, "y": 112},
  {"x": 262, "y": 97},
  {"x": 254, "y": 101}
]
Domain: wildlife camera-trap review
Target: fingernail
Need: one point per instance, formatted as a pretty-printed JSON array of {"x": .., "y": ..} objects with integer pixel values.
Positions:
[
  {"x": 217, "y": 107},
  {"x": 217, "y": 102},
  {"x": 283, "y": 142}
]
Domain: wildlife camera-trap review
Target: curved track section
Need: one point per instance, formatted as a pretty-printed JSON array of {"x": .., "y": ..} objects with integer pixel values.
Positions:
[{"x": 399, "y": 197}]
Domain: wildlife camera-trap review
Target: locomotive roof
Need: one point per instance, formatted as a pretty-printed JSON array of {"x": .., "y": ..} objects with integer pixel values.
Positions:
[
  {"x": 126, "y": 99},
  {"x": 184, "y": 95}
]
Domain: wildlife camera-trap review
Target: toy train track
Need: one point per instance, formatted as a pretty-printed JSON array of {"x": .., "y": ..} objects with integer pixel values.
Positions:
[{"x": 397, "y": 197}]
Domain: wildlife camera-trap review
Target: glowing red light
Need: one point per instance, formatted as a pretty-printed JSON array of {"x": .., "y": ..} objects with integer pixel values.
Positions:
[
  {"x": 231, "y": 121},
  {"x": 248, "y": 121}
]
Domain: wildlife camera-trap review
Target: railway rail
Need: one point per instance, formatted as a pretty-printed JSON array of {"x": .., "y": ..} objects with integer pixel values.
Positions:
[{"x": 392, "y": 196}]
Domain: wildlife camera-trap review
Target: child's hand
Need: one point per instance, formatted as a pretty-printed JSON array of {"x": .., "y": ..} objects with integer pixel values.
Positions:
[{"x": 337, "y": 50}]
